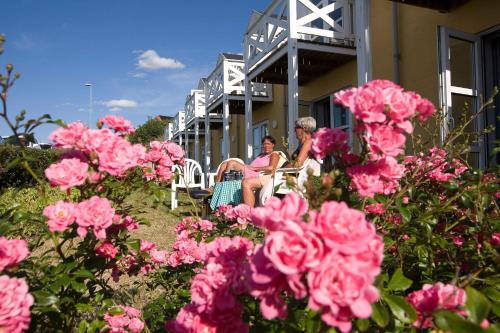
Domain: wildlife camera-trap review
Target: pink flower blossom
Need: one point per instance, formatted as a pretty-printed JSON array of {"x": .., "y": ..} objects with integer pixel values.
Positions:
[
  {"x": 96, "y": 213},
  {"x": 242, "y": 213},
  {"x": 147, "y": 246},
  {"x": 366, "y": 180},
  {"x": 495, "y": 239},
  {"x": 136, "y": 325},
  {"x": 120, "y": 158},
  {"x": 107, "y": 250},
  {"x": 376, "y": 208},
  {"x": 435, "y": 297},
  {"x": 276, "y": 211},
  {"x": 119, "y": 124},
  {"x": 15, "y": 303},
  {"x": 61, "y": 215},
  {"x": 384, "y": 140},
  {"x": 158, "y": 257},
  {"x": 340, "y": 289},
  {"x": 425, "y": 109},
  {"x": 69, "y": 136},
  {"x": 369, "y": 105},
  {"x": 329, "y": 141},
  {"x": 175, "y": 152},
  {"x": 68, "y": 173},
  {"x": 12, "y": 252},
  {"x": 99, "y": 141},
  {"x": 342, "y": 228}
]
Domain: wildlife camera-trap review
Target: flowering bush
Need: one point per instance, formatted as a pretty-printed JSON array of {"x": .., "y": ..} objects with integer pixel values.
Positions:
[{"x": 383, "y": 242}]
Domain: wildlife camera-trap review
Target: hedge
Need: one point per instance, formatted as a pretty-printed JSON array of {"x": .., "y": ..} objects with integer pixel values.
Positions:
[{"x": 14, "y": 175}]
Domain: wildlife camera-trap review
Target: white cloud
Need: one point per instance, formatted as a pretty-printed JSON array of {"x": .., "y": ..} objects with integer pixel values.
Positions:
[
  {"x": 115, "y": 109},
  {"x": 150, "y": 60},
  {"x": 120, "y": 103},
  {"x": 138, "y": 75}
]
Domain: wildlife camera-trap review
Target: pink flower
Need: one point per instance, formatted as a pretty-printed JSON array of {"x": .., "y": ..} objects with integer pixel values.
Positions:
[
  {"x": 341, "y": 289},
  {"x": 425, "y": 109},
  {"x": 384, "y": 140},
  {"x": 458, "y": 240},
  {"x": 68, "y": 173},
  {"x": 96, "y": 213},
  {"x": 147, "y": 246},
  {"x": 376, "y": 208},
  {"x": 342, "y": 228},
  {"x": 119, "y": 124},
  {"x": 15, "y": 303},
  {"x": 175, "y": 151},
  {"x": 61, "y": 215},
  {"x": 106, "y": 250},
  {"x": 69, "y": 136},
  {"x": 495, "y": 239},
  {"x": 158, "y": 257},
  {"x": 369, "y": 105},
  {"x": 120, "y": 158},
  {"x": 276, "y": 211},
  {"x": 135, "y": 325},
  {"x": 242, "y": 213},
  {"x": 435, "y": 297},
  {"x": 12, "y": 252},
  {"x": 366, "y": 180},
  {"x": 329, "y": 141},
  {"x": 99, "y": 141},
  {"x": 293, "y": 249}
]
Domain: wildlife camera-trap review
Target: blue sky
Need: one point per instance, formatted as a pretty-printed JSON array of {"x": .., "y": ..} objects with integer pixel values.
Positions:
[{"x": 142, "y": 57}]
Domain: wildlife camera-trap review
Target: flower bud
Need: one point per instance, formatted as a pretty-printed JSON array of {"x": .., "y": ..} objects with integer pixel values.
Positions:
[{"x": 9, "y": 68}]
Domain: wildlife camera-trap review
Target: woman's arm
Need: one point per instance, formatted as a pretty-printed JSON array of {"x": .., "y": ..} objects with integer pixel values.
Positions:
[
  {"x": 303, "y": 153},
  {"x": 274, "y": 159}
]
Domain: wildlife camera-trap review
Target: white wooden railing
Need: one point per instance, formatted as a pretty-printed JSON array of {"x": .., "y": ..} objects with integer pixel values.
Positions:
[
  {"x": 229, "y": 78},
  {"x": 179, "y": 122},
  {"x": 320, "y": 21},
  {"x": 169, "y": 132},
  {"x": 195, "y": 105}
]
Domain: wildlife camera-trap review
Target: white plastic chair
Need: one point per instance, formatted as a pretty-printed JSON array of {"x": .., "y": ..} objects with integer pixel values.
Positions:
[
  {"x": 279, "y": 179},
  {"x": 186, "y": 179}
]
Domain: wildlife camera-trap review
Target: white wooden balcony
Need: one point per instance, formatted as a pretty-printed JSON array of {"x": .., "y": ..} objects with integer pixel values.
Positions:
[
  {"x": 169, "y": 132},
  {"x": 225, "y": 95},
  {"x": 293, "y": 42},
  {"x": 228, "y": 78},
  {"x": 178, "y": 127},
  {"x": 195, "y": 106}
]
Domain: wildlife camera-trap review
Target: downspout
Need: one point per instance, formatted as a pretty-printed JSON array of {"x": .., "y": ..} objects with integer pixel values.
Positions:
[{"x": 396, "y": 56}]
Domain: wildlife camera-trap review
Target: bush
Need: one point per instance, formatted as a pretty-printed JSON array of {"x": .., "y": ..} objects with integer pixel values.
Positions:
[
  {"x": 14, "y": 175},
  {"x": 151, "y": 130}
]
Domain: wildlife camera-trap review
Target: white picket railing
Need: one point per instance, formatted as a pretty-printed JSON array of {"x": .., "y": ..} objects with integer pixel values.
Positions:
[
  {"x": 179, "y": 122},
  {"x": 319, "y": 21},
  {"x": 195, "y": 105},
  {"x": 229, "y": 78}
]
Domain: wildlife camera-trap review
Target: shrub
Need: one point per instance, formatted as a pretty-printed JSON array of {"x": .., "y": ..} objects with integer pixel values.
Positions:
[{"x": 13, "y": 174}]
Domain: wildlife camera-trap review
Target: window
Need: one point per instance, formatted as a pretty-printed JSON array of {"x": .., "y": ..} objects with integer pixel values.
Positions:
[
  {"x": 260, "y": 130},
  {"x": 328, "y": 114},
  {"x": 460, "y": 81}
]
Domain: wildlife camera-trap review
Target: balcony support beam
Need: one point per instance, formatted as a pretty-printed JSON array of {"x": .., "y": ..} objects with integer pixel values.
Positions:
[
  {"x": 248, "y": 121},
  {"x": 293, "y": 92},
  {"x": 208, "y": 140},
  {"x": 363, "y": 44},
  {"x": 225, "y": 127},
  {"x": 196, "y": 140},
  {"x": 186, "y": 142}
]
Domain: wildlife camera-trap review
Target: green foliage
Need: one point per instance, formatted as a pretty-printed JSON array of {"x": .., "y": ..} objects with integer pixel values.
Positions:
[
  {"x": 14, "y": 174},
  {"x": 151, "y": 130}
]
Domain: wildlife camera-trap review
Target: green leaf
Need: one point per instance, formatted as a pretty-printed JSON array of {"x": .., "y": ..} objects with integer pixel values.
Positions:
[
  {"x": 380, "y": 315},
  {"x": 115, "y": 311},
  {"x": 82, "y": 327},
  {"x": 451, "y": 321},
  {"x": 362, "y": 324},
  {"x": 495, "y": 328},
  {"x": 492, "y": 294},
  {"x": 81, "y": 307},
  {"x": 399, "y": 281},
  {"x": 44, "y": 298},
  {"x": 401, "y": 308},
  {"x": 477, "y": 305},
  {"x": 405, "y": 213},
  {"x": 84, "y": 274},
  {"x": 135, "y": 244},
  {"x": 313, "y": 324}
]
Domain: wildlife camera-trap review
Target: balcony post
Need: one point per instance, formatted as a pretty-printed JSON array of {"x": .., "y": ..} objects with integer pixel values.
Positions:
[
  {"x": 293, "y": 76},
  {"x": 248, "y": 121},
  {"x": 208, "y": 140},
  {"x": 225, "y": 126},
  {"x": 363, "y": 44},
  {"x": 196, "y": 141},
  {"x": 186, "y": 141}
]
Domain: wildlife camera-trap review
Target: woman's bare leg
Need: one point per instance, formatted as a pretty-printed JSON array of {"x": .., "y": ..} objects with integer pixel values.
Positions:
[
  {"x": 249, "y": 185},
  {"x": 229, "y": 165}
]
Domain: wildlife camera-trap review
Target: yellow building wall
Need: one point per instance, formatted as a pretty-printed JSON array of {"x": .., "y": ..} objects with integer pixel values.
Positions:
[
  {"x": 273, "y": 112},
  {"x": 339, "y": 78},
  {"x": 215, "y": 153},
  {"x": 418, "y": 39}
]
